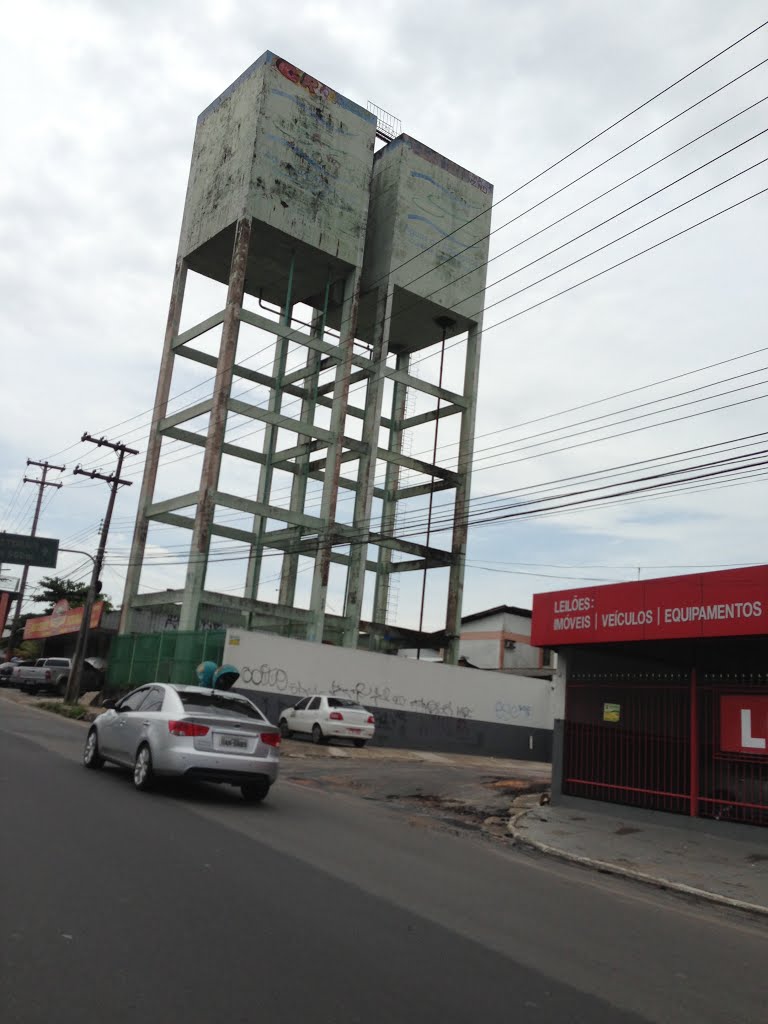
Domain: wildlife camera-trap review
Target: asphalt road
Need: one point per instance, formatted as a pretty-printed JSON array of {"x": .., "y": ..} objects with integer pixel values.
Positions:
[{"x": 120, "y": 907}]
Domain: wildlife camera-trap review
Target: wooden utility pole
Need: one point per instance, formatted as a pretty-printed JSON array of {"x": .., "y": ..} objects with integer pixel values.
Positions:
[
  {"x": 40, "y": 483},
  {"x": 114, "y": 481}
]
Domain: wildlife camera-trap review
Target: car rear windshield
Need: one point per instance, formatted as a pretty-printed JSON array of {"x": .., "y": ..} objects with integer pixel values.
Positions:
[
  {"x": 340, "y": 702},
  {"x": 225, "y": 707},
  {"x": 58, "y": 662}
]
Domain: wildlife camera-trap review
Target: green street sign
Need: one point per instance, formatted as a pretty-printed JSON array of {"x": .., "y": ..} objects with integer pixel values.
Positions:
[{"x": 16, "y": 549}]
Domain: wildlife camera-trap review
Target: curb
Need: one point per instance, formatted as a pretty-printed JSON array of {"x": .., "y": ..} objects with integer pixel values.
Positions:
[
  {"x": 87, "y": 718},
  {"x": 608, "y": 868}
]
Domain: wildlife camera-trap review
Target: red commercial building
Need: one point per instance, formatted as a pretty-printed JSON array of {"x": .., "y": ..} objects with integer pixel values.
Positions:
[{"x": 663, "y": 692}]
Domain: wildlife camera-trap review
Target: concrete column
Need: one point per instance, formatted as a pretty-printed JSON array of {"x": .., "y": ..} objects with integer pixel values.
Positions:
[
  {"x": 461, "y": 507},
  {"x": 209, "y": 477},
  {"x": 367, "y": 467},
  {"x": 299, "y": 485},
  {"x": 389, "y": 503},
  {"x": 349, "y": 314},
  {"x": 154, "y": 444},
  {"x": 264, "y": 488}
]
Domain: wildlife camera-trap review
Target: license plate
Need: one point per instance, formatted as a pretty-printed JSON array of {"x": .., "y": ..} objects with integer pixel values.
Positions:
[
  {"x": 353, "y": 729},
  {"x": 233, "y": 742}
]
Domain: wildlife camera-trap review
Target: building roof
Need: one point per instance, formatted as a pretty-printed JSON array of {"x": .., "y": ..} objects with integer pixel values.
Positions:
[{"x": 510, "y": 609}]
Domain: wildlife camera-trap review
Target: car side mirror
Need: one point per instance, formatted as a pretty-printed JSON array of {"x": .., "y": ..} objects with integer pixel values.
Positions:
[{"x": 109, "y": 705}]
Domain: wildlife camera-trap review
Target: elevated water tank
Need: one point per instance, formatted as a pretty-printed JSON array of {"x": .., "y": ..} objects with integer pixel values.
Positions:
[
  {"x": 428, "y": 227},
  {"x": 296, "y": 156}
]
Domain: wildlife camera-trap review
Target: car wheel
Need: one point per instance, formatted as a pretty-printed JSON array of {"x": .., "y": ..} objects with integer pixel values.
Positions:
[
  {"x": 359, "y": 743},
  {"x": 254, "y": 792},
  {"x": 285, "y": 732},
  {"x": 143, "y": 776},
  {"x": 317, "y": 734},
  {"x": 61, "y": 688},
  {"x": 91, "y": 756}
]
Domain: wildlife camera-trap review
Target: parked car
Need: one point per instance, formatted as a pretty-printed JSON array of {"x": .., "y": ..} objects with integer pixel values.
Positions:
[
  {"x": 51, "y": 675},
  {"x": 7, "y": 667},
  {"x": 199, "y": 734},
  {"x": 46, "y": 674},
  {"x": 325, "y": 717}
]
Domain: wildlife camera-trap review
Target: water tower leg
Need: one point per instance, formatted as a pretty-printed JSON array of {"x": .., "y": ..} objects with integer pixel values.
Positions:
[
  {"x": 461, "y": 508},
  {"x": 209, "y": 477},
  {"x": 367, "y": 466},
  {"x": 389, "y": 503},
  {"x": 333, "y": 461},
  {"x": 133, "y": 575},
  {"x": 264, "y": 488},
  {"x": 311, "y": 382}
]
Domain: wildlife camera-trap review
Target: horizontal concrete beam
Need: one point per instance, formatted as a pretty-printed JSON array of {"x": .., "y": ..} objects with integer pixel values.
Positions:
[
  {"x": 451, "y": 397},
  {"x": 421, "y": 467},
  {"x": 171, "y": 504},
  {"x": 300, "y": 338},
  {"x": 227, "y": 449},
  {"x": 436, "y": 556},
  {"x": 419, "y": 489},
  {"x": 258, "y": 508},
  {"x": 190, "y": 413},
  {"x": 431, "y": 416},
  {"x": 202, "y": 328},
  {"x": 170, "y": 597}
]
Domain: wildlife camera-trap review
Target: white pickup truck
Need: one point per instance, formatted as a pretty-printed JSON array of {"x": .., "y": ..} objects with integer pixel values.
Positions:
[{"x": 46, "y": 674}]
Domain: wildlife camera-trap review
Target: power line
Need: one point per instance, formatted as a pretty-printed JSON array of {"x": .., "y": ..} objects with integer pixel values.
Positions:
[
  {"x": 605, "y": 270},
  {"x": 570, "y": 241},
  {"x": 561, "y": 160},
  {"x": 585, "y": 496}
]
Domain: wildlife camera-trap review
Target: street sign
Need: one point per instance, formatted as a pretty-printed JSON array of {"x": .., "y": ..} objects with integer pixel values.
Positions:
[{"x": 17, "y": 549}]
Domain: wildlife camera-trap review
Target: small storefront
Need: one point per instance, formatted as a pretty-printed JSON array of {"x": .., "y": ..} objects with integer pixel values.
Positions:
[{"x": 663, "y": 692}]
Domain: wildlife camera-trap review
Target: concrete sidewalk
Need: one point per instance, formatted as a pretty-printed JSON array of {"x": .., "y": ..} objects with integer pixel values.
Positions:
[{"x": 728, "y": 867}]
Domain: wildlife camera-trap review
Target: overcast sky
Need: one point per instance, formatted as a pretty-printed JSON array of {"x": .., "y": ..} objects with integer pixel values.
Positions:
[{"x": 101, "y": 100}]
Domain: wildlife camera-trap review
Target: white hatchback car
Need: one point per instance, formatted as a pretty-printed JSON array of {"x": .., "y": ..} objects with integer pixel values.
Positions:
[{"x": 324, "y": 718}]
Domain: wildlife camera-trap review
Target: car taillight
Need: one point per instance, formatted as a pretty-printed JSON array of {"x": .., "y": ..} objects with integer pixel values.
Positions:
[
  {"x": 336, "y": 716},
  {"x": 187, "y": 729},
  {"x": 370, "y": 720},
  {"x": 272, "y": 739},
  {"x": 47, "y": 675}
]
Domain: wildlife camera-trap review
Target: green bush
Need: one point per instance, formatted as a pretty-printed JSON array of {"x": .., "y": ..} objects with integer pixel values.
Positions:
[{"x": 67, "y": 710}]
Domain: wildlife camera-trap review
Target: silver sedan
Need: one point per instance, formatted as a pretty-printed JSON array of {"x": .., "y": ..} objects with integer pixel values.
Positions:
[{"x": 188, "y": 731}]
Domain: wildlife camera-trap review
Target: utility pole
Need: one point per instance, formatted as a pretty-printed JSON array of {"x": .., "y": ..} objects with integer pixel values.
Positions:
[
  {"x": 114, "y": 481},
  {"x": 41, "y": 483}
]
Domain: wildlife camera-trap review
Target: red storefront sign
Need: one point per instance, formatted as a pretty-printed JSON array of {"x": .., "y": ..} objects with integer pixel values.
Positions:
[
  {"x": 744, "y": 724},
  {"x": 733, "y": 602},
  {"x": 5, "y": 604},
  {"x": 62, "y": 620}
]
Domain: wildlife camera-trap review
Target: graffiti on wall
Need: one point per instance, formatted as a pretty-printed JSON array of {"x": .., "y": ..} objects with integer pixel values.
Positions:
[
  {"x": 276, "y": 679},
  {"x": 298, "y": 77},
  {"x": 448, "y": 165},
  {"x": 506, "y": 712}
]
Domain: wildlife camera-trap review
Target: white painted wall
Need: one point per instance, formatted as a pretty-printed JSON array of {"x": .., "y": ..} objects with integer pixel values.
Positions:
[
  {"x": 295, "y": 668},
  {"x": 484, "y": 651}
]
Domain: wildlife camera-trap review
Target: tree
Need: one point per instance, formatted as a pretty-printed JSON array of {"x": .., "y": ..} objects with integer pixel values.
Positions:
[
  {"x": 15, "y": 643},
  {"x": 58, "y": 588}
]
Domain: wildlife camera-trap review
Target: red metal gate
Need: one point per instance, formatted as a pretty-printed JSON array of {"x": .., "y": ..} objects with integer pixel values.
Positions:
[
  {"x": 670, "y": 741},
  {"x": 733, "y": 739}
]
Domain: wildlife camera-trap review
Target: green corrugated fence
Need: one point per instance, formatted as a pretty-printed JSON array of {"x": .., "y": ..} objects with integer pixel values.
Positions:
[{"x": 170, "y": 657}]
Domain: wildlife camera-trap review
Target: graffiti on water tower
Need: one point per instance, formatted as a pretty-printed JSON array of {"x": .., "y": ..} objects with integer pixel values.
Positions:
[{"x": 313, "y": 87}]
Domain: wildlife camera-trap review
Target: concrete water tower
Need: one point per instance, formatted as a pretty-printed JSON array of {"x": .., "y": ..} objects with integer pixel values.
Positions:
[
  {"x": 424, "y": 272},
  {"x": 277, "y": 208}
]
